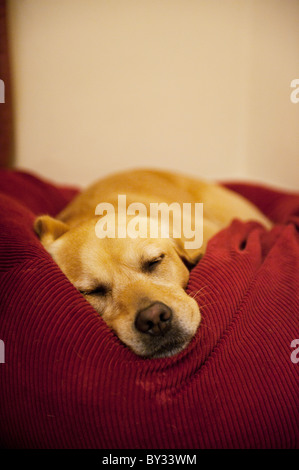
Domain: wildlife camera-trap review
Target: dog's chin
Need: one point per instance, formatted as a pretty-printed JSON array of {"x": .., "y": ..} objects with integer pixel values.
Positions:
[
  {"x": 161, "y": 347},
  {"x": 168, "y": 350}
]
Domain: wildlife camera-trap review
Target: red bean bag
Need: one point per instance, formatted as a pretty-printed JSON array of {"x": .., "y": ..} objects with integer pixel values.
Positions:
[{"x": 68, "y": 382}]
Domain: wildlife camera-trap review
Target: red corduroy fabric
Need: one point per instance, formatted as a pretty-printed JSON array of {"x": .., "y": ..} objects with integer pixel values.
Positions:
[{"x": 68, "y": 382}]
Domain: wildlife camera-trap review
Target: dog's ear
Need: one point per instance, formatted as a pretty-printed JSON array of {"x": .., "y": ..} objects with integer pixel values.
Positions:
[
  {"x": 190, "y": 257},
  {"x": 49, "y": 229}
]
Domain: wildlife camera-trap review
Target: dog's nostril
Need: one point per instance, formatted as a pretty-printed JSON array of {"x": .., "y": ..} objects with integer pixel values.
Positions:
[{"x": 154, "y": 320}]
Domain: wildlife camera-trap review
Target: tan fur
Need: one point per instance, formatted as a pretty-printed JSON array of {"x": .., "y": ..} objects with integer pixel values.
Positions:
[{"x": 118, "y": 263}]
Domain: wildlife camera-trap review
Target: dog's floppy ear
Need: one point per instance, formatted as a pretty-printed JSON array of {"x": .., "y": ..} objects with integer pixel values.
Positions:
[
  {"x": 49, "y": 229},
  {"x": 190, "y": 257}
]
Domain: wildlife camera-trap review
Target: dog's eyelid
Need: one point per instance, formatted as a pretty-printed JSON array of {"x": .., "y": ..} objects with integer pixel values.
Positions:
[
  {"x": 156, "y": 259},
  {"x": 160, "y": 257},
  {"x": 101, "y": 289},
  {"x": 151, "y": 263}
]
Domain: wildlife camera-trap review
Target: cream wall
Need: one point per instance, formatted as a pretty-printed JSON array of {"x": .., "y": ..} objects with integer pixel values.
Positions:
[{"x": 200, "y": 86}]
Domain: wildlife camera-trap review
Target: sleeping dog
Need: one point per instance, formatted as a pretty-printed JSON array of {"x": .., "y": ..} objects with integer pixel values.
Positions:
[{"x": 137, "y": 282}]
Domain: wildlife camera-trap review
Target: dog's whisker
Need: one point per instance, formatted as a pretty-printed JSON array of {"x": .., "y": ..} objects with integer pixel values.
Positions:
[
  {"x": 204, "y": 325},
  {"x": 197, "y": 293},
  {"x": 208, "y": 305}
]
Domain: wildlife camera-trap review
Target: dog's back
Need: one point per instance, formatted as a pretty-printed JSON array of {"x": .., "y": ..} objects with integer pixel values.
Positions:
[{"x": 221, "y": 205}]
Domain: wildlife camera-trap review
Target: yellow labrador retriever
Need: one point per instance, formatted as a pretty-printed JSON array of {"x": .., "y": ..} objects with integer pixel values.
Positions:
[{"x": 137, "y": 281}]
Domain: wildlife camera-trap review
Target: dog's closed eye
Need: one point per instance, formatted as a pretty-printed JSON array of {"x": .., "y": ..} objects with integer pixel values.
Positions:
[
  {"x": 101, "y": 290},
  {"x": 151, "y": 265}
]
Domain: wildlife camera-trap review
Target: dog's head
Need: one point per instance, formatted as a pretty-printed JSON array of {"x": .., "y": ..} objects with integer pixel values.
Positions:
[{"x": 136, "y": 285}]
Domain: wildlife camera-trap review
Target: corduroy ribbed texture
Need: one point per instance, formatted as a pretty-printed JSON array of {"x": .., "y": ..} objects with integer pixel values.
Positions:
[{"x": 68, "y": 382}]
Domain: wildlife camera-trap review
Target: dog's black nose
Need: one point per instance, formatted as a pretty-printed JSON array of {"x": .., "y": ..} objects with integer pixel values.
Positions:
[{"x": 154, "y": 320}]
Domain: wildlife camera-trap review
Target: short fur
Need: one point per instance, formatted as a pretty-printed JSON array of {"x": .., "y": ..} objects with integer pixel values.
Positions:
[{"x": 122, "y": 277}]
